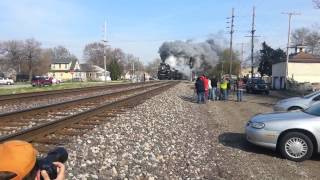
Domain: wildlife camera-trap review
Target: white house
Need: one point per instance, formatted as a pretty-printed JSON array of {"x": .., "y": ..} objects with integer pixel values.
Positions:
[
  {"x": 302, "y": 67},
  {"x": 138, "y": 76},
  {"x": 94, "y": 73}
]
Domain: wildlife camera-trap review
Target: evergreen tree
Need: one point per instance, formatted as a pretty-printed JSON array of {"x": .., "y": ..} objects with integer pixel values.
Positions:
[
  {"x": 114, "y": 69},
  {"x": 269, "y": 56}
]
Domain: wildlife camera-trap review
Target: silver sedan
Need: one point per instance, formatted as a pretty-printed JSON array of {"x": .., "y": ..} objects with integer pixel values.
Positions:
[
  {"x": 295, "y": 134},
  {"x": 297, "y": 103}
]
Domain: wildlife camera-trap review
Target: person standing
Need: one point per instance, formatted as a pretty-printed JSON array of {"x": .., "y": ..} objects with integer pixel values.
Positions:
[
  {"x": 214, "y": 89},
  {"x": 210, "y": 97},
  {"x": 228, "y": 88},
  {"x": 224, "y": 86},
  {"x": 200, "y": 90},
  {"x": 218, "y": 94},
  {"x": 206, "y": 86},
  {"x": 239, "y": 90}
]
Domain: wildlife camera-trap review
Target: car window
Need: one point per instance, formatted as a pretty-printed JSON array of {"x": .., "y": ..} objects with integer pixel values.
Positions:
[
  {"x": 310, "y": 95},
  {"x": 313, "y": 110},
  {"x": 317, "y": 98}
]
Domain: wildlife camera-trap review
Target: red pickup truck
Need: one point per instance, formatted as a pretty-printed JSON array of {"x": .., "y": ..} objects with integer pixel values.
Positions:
[{"x": 41, "y": 81}]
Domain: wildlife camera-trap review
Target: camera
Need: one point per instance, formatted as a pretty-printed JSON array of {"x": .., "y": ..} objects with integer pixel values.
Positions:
[{"x": 58, "y": 154}]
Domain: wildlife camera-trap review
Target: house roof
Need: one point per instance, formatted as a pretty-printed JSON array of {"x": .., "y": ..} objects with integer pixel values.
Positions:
[
  {"x": 73, "y": 64},
  {"x": 303, "y": 57},
  {"x": 86, "y": 68},
  {"x": 61, "y": 60},
  {"x": 90, "y": 68}
]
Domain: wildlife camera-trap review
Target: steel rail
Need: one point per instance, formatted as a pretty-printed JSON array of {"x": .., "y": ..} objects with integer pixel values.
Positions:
[
  {"x": 20, "y": 113},
  {"x": 50, "y": 127}
]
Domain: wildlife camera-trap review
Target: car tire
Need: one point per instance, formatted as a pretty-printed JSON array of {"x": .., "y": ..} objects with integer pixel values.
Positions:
[
  {"x": 294, "y": 108},
  {"x": 296, "y": 146}
]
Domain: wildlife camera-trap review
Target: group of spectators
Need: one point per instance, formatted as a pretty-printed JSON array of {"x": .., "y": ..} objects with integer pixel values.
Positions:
[{"x": 213, "y": 89}]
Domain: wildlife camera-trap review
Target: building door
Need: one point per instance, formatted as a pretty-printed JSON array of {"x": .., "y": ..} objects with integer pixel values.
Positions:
[{"x": 276, "y": 83}]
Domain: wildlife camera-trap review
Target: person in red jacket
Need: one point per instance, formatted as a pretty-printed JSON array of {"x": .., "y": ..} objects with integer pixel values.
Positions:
[{"x": 206, "y": 86}]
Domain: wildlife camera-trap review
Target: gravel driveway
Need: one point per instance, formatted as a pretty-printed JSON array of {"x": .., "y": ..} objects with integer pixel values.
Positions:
[{"x": 171, "y": 137}]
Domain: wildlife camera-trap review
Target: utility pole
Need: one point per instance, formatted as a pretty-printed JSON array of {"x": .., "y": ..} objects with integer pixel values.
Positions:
[
  {"x": 252, "y": 38},
  {"x": 104, "y": 50},
  {"x": 290, "y": 14},
  {"x": 231, "y": 37},
  {"x": 132, "y": 70},
  {"x": 242, "y": 52}
]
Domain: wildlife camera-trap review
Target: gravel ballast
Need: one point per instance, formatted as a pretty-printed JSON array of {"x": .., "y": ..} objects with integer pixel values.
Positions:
[
  {"x": 161, "y": 138},
  {"x": 171, "y": 137}
]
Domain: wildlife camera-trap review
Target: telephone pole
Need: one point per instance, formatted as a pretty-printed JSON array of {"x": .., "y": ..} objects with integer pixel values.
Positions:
[
  {"x": 231, "y": 37},
  {"x": 104, "y": 50},
  {"x": 290, "y": 14},
  {"x": 252, "y": 38},
  {"x": 242, "y": 52}
]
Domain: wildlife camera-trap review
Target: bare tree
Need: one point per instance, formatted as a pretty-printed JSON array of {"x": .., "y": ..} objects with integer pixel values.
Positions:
[
  {"x": 60, "y": 52},
  {"x": 12, "y": 52},
  {"x": 93, "y": 53},
  {"x": 299, "y": 36},
  {"x": 32, "y": 52},
  {"x": 313, "y": 41},
  {"x": 43, "y": 65},
  {"x": 152, "y": 67}
]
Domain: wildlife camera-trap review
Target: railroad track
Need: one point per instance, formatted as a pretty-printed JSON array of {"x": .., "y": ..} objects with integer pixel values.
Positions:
[
  {"x": 9, "y": 103},
  {"x": 58, "y": 131},
  {"x": 22, "y": 96},
  {"x": 26, "y": 118}
]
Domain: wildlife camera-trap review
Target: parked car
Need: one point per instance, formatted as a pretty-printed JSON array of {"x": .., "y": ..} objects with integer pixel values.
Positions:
[
  {"x": 6, "y": 81},
  {"x": 297, "y": 103},
  {"x": 257, "y": 85},
  {"x": 41, "y": 81},
  {"x": 296, "y": 135}
]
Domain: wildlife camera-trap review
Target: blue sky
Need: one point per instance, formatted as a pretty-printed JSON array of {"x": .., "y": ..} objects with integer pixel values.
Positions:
[{"x": 140, "y": 26}]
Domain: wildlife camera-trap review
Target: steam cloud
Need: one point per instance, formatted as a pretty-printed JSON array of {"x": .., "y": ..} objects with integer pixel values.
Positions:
[{"x": 186, "y": 55}]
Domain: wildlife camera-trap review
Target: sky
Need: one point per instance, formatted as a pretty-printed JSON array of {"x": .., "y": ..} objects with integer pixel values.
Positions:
[{"x": 139, "y": 27}]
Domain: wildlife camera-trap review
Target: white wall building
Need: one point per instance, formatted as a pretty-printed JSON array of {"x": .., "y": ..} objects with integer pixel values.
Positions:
[{"x": 302, "y": 67}]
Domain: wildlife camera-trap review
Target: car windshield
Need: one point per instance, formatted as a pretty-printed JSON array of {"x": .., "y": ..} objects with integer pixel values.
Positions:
[
  {"x": 313, "y": 110},
  {"x": 258, "y": 81},
  {"x": 310, "y": 95}
]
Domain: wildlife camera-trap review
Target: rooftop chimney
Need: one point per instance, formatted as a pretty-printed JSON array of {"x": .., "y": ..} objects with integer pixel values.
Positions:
[{"x": 300, "y": 48}]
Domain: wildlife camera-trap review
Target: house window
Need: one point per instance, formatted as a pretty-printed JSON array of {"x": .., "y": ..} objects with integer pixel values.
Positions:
[
  {"x": 61, "y": 74},
  {"x": 66, "y": 66},
  {"x": 53, "y": 66},
  {"x": 59, "y": 66}
]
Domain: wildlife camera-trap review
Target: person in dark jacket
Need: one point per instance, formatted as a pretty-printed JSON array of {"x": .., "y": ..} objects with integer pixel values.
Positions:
[
  {"x": 214, "y": 89},
  {"x": 200, "y": 90}
]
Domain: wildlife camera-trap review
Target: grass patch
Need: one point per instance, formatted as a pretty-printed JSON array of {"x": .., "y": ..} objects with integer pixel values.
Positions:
[{"x": 26, "y": 88}]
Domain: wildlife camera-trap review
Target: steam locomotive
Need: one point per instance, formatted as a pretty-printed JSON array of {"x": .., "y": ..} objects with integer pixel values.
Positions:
[{"x": 165, "y": 72}]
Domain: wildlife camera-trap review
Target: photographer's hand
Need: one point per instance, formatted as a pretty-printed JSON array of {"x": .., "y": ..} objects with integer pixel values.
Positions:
[{"x": 60, "y": 169}]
